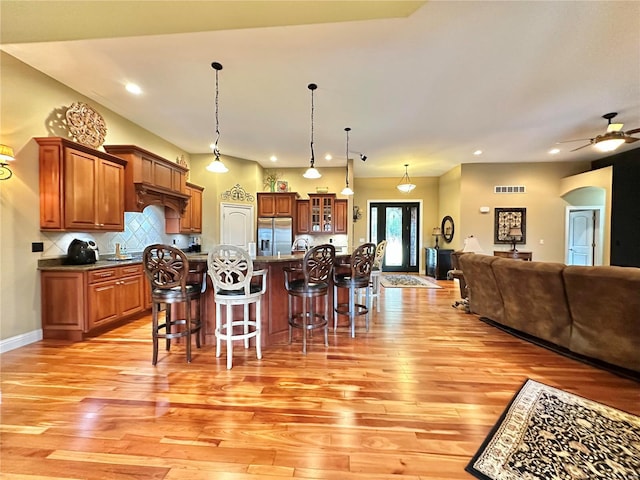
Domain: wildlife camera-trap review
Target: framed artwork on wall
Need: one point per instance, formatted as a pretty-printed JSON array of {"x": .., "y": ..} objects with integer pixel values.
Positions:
[
  {"x": 506, "y": 219},
  {"x": 282, "y": 186}
]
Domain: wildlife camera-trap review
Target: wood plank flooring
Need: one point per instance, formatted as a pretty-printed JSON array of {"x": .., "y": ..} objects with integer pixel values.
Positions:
[{"x": 412, "y": 399}]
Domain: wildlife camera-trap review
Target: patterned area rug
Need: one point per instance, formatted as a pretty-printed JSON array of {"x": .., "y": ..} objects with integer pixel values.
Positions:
[
  {"x": 406, "y": 281},
  {"x": 546, "y": 433}
]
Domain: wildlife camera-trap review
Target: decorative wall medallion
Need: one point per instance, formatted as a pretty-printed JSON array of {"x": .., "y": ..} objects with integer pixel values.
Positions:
[
  {"x": 86, "y": 125},
  {"x": 237, "y": 193}
]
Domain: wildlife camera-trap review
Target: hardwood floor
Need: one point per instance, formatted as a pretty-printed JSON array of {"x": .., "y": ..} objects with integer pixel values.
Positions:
[{"x": 412, "y": 399}]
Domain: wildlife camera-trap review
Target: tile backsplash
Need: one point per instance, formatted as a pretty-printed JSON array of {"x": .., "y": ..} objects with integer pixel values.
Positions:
[{"x": 140, "y": 230}]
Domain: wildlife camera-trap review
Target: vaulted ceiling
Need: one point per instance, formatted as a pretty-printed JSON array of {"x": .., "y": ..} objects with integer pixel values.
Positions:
[{"x": 423, "y": 83}]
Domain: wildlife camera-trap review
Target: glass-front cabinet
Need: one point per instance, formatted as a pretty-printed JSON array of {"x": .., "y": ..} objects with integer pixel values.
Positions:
[{"x": 321, "y": 213}]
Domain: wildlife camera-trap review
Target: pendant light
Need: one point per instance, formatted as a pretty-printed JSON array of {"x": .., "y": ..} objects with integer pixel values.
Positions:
[
  {"x": 217, "y": 166},
  {"x": 346, "y": 190},
  {"x": 405, "y": 184},
  {"x": 312, "y": 172}
]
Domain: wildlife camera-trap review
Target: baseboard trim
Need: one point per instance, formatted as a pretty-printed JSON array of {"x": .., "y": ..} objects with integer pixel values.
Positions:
[{"x": 21, "y": 340}]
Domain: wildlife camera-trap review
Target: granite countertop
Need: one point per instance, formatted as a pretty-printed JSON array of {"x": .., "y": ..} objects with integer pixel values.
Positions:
[{"x": 109, "y": 262}]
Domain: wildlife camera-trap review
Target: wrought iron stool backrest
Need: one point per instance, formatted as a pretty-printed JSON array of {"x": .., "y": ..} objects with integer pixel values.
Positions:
[
  {"x": 362, "y": 261},
  {"x": 166, "y": 267},
  {"x": 317, "y": 264}
]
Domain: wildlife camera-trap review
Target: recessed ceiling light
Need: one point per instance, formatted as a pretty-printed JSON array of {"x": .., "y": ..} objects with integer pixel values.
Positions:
[
  {"x": 328, "y": 157},
  {"x": 133, "y": 88},
  {"x": 477, "y": 152},
  {"x": 273, "y": 158},
  {"x": 554, "y": 151}
]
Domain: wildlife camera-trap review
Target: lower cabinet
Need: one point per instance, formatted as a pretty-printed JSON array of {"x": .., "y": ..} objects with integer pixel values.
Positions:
[
  {"x": 77, "y": 304},
  {"x": 438, "y": 262}
]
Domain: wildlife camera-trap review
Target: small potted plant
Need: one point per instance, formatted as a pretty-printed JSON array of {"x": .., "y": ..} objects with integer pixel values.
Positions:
[{"x": 271, "y": 178}]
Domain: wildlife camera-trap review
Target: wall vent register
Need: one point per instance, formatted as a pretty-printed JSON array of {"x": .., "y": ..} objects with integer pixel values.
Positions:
[{"x": 509, "y": 189}]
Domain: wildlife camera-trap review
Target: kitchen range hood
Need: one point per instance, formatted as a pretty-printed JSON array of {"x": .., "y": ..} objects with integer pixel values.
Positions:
[{"x": 151, "y": 179}]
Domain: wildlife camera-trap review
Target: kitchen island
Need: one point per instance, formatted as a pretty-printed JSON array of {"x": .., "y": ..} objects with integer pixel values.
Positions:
[
  {"x": 81, "y": 301},
  {"x": 275, "y": 304}
]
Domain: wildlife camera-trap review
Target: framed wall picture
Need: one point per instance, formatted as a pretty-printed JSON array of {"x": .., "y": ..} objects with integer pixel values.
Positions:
[
  {"x": 282, "y": 186},
  {"x": 506, "y": 218}
]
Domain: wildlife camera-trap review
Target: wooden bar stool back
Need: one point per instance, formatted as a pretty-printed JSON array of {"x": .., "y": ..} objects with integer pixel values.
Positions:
[
  {"x": 355, "y": 275},
  {"x": 376, "y": 271},
  {"x": 231, "y": 271},
  {"x": 309, "y": 283},
  {"x": 167, "y": 269}
]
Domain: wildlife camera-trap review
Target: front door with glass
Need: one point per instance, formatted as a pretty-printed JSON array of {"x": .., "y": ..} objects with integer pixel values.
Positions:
[{"x": 397, "y": 223}]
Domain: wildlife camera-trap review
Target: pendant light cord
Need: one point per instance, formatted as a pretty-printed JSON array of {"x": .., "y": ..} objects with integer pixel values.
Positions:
[
  {"x": 347, "y": 156},
  {"x": 217, "y": 67},
  {"x": 312, "y": 87}
]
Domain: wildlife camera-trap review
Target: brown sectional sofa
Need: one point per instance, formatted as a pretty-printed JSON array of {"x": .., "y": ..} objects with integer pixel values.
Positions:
[{"x": 590, "y": 311}]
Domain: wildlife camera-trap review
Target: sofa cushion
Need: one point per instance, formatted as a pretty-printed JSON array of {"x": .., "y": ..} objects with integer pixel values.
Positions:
[
  {"x": 534, "y": 299},
  {"x": 484, "y": 297},
  {"x": 605, "y": 307}
]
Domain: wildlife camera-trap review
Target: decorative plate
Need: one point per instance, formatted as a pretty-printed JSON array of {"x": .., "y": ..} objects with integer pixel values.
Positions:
[{"x": 86, "y": 125}]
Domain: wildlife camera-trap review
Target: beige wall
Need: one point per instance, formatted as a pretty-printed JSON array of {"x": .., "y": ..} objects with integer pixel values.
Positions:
[
  {"x": 32, "y": 105},
  {"x": 384, "y": 190},
  {"x": 545, "y": 207},
  {"x": 449, "y": 191}
]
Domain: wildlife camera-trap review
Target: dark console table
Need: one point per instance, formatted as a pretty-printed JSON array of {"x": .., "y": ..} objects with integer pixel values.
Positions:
[{"x": 438, "y": 262}]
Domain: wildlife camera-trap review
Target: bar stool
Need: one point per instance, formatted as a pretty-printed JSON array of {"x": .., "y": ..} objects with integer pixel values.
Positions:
[
  {"x": 355, "y": 275},
  {"x": 231, "y": 271},
  {"x": 376, "y": 271},
  {"x": 167, "y": 269},
  {"x": 309, "y": 283}
]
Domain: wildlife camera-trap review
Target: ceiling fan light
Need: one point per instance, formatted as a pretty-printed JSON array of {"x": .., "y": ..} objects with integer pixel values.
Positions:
[{"x": 609, "y": 145}]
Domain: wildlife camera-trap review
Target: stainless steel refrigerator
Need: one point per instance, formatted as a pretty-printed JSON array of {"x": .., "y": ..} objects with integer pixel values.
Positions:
[{"x": 275, "y": 235}]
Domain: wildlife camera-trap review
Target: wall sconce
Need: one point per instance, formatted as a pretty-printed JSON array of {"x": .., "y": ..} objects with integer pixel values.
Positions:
[
  {"x": 6, "y": 155},
  {"x": 516, "y": 234},
  {"x": 357, "y": 213}
]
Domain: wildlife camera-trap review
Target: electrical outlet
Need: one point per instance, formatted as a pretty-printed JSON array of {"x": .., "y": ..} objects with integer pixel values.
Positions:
[
  {"x": 37, "y": 247},
  {"x": 361, "y": 240}
]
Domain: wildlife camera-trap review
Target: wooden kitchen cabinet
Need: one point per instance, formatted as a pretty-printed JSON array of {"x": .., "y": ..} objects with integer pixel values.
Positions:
[
  {"x": 340, "y": 216},
  {"x": 80, "y": 188},
  {"x": 276, "y": 204},
  {"x": 303, "y": 222},
  {"x": 191, "y": 220},
  {"x": 78, "y": 304},
  {"x": 151, "y": 179},
  {"x": 114, "y": 293},
  {"x": 321, "y": 212}
]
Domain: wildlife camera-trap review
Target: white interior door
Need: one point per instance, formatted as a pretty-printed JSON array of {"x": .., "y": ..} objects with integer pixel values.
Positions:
[
  {"x": 237, "y": 225},
  {"x": 582, "y": 237}
]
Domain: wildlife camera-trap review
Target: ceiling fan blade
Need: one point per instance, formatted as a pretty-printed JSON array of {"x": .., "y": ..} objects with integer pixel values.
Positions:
[
  {"x": 631, "y": 139},
  {"x": 614, "y": 127},
  {"x": 583, "y": 146},
  {"x": 630, "y": 132},
  {"x": 576, "y": 140}
]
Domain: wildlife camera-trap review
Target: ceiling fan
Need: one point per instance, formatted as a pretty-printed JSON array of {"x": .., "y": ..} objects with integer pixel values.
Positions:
[{"x": 611, "y": 139}]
